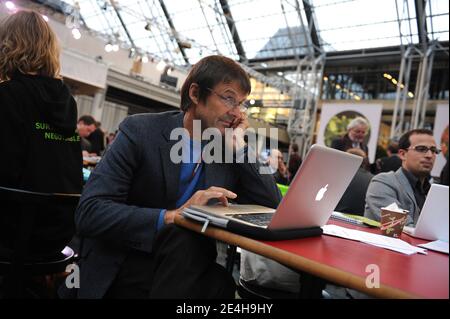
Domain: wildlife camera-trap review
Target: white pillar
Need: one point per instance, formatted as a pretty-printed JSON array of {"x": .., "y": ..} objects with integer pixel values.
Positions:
[{"x": 97, "y": 104}]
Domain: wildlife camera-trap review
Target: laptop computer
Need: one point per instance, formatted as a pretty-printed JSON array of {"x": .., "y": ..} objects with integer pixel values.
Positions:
[
  {"x": 311, "y": 198},
  {"x": 433, "y": 219}
]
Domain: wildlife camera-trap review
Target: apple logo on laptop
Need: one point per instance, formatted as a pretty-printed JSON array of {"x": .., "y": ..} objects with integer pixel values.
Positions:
[{"x": 321, "y": 192}]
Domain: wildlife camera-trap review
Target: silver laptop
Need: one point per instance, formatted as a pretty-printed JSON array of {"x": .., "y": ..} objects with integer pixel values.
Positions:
[
  {"x": 311, "y": 198},
  {"x": 433, "y": 219}
]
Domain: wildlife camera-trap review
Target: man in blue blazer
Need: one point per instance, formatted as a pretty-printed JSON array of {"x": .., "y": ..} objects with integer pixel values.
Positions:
[{"x": 131, "y": 247}]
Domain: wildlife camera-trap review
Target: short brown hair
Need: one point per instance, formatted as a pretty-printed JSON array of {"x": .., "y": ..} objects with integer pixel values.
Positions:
[
  {"x": 87, "y": 120},
  {"x": 28, "y": 45},
  {"x": 209, "y": 72},
  {"x": 404, "y": 142}
]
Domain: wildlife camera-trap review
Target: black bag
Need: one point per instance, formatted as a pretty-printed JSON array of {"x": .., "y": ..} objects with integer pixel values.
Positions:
[
  {"x": 250, "y": 231},
  {"x": 271, "y": 235}
]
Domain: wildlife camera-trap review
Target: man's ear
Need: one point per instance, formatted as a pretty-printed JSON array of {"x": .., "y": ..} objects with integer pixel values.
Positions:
[
  {"x": 402, "y": 154},
  {"x": 194, "y": 93}
]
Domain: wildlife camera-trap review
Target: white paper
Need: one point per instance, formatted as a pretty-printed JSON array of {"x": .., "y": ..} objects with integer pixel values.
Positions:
[
  {"x": 393, "y": 207},
  {"x": 202, "y": 217},
  {"x": 438, "y": 245},
  {"x": 390, "y": 243},
  {"x": 342, "y": 217}
]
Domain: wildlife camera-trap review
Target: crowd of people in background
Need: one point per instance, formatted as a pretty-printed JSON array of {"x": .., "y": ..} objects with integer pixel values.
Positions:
[{"x": 353, "y": 142}]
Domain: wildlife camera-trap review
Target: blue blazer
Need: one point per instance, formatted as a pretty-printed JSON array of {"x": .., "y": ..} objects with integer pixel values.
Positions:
[{"x": 120, "y": 205}]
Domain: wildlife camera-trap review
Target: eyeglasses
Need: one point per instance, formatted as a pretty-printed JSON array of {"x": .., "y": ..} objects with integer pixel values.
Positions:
[
  {"x": 230, "y": 101},
  {"x": 424, "y": 149}
]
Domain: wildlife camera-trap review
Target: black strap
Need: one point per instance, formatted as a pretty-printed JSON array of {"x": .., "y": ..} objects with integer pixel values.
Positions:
[{"x": 271, "y": 235}]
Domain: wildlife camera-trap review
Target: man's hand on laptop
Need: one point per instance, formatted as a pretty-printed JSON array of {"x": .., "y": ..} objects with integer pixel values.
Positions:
[{"x": 201, "y": 198}]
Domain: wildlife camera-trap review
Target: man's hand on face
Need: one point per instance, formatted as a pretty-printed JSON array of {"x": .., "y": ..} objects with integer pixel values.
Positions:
[
  {"x": 201, "y": 198},
  {"x": 240, "y": 122},
  {"x": 235, "y": 137}
]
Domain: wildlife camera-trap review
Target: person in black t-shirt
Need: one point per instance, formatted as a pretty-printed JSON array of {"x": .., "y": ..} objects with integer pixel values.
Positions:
[
  {"x": 390, "y": 163},
  {"x": 85, "y": 127},
  {"x": 97, "y": 140},
  {"x": 295, "y": 161}
]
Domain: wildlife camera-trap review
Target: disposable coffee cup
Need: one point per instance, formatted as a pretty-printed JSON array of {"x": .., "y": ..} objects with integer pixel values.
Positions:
[{"x": 392, "y": 222}]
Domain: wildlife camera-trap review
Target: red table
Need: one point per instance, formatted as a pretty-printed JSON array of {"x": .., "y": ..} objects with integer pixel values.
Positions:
[{"x": 343, "y": 262}]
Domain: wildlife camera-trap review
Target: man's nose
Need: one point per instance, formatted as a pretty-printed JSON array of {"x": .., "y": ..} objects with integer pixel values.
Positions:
[{"x": 429, "y": 154}]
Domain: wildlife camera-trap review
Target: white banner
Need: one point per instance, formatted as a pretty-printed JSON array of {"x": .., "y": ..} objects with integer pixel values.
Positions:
[
  {"x": 335, "y": 117},
  {"x": 440, "y": 124}
]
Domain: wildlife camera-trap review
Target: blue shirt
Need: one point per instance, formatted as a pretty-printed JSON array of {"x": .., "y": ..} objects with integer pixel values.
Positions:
[{"x": 191, "y": 175}]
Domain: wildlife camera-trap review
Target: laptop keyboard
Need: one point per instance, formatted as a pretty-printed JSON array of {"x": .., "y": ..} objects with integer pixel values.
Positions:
[{"x": 256, "y": 219}]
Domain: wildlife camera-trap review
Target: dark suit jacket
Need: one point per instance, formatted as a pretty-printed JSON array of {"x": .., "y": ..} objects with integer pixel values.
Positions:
[
  {"x": 120, "y": 205},
  {"x": 344, "y": 143},
  {"x": 387, "y": 164},
  {"x": 354, "y": 198}
]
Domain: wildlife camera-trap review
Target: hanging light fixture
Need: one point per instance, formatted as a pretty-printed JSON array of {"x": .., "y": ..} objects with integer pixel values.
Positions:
[
  {"x": 76, "y": 33},
  {"x": 108, "y": 47},
  {"x": 170, "y": 70},
  {"x": 10, "y": 5},
  {"x": 161, "y": 65}
]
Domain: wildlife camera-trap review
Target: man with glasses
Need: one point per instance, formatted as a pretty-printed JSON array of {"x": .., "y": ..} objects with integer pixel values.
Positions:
[
  {"x": 409, "y": 185},
  {"x": 132, "y": 249}
]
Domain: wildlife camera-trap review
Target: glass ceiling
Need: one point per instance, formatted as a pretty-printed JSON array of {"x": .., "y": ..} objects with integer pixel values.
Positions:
[{"x": 184, "y": 31}]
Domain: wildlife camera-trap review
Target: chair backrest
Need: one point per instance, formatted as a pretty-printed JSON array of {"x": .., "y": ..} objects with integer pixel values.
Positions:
[
  {"x": 26, "y": 205},
  {"x": 21, "y": 195}
]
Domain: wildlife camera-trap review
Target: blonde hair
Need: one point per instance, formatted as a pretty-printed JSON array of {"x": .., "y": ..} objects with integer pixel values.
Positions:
[{"x": 28, "y": 45}]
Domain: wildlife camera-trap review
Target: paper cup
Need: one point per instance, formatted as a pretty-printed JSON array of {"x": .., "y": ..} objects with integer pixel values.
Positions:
[{"x": 392, "y": 222}]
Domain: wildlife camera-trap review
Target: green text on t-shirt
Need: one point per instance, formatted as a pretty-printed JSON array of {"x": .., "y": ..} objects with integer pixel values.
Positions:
[{"x": 49, "y": 135}]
